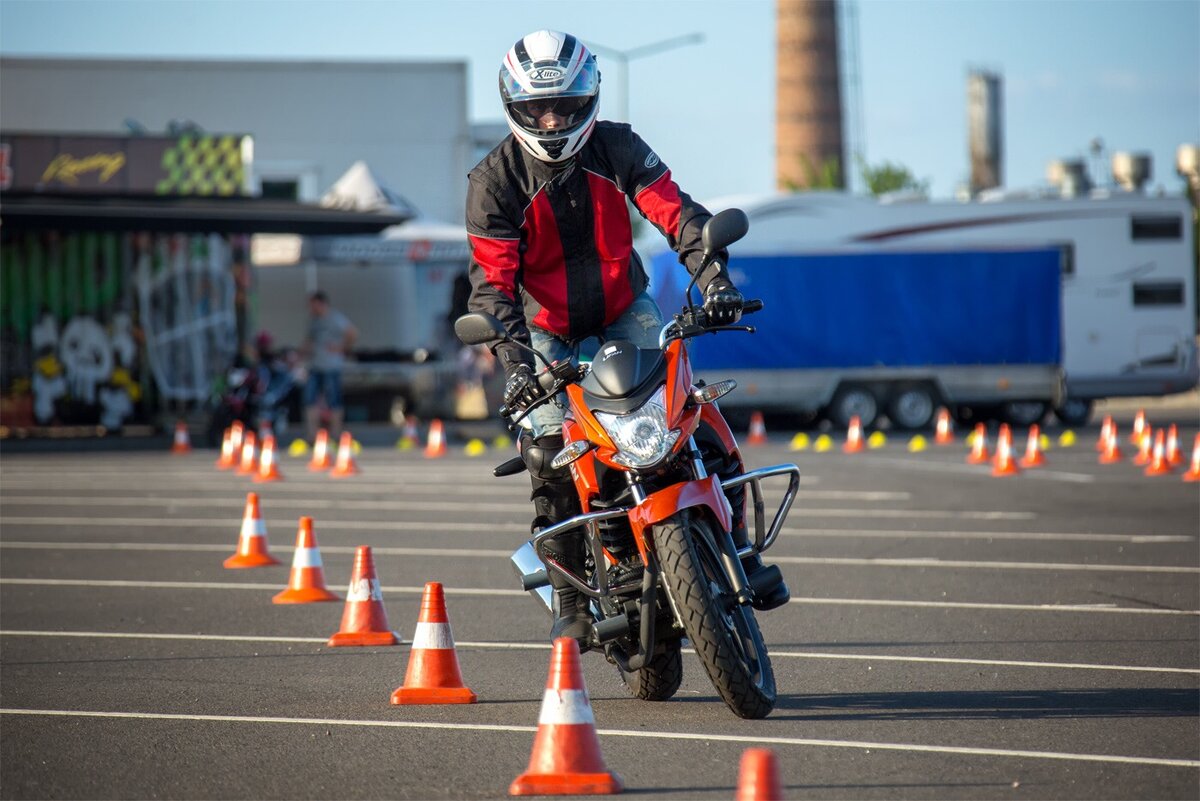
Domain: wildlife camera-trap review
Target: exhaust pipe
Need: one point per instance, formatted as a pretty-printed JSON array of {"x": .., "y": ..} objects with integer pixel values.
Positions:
[{"x": 534, "y": 578}]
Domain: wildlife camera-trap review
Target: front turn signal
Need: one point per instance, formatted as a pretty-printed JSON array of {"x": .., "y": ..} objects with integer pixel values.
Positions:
[
  {"x": 570, "y": 453},
  {"x": 711, "y": 392}
]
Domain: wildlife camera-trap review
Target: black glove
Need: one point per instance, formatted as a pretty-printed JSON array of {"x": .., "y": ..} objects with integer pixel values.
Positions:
[
  {"x": 722, "y": 302},
  {"x": 520, "y": 387}
]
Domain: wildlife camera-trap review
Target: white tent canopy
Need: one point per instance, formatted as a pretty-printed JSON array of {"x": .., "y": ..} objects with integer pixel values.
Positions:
[{"x": 360, "y": 190}]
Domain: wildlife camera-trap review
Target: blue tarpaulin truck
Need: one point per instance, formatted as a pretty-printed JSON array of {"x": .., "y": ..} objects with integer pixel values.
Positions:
[{"x": 896, "y": 332}]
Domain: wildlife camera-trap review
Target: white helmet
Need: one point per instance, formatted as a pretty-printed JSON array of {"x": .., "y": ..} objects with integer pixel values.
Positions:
[{"x": 548, "y": 71}]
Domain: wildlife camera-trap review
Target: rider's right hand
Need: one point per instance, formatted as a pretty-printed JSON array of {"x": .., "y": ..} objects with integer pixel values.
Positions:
[{"x": 520, "y": 387}]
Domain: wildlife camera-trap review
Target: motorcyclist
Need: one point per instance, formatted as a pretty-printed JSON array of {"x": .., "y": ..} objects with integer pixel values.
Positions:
[{"x": 553, "y": 260}]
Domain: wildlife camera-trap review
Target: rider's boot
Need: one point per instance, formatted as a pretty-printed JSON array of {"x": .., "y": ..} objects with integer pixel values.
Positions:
[{"x": 554, "y": 500}]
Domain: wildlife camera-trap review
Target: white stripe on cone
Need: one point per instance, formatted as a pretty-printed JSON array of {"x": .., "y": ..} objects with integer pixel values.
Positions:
[
  {"x": 253, "y": 527},
  {"x": 566, "y": 708},
  {"x": 364, "y": 590},
  {"x": 306, "y": 557},
  {"x": 433, "y": 636}
]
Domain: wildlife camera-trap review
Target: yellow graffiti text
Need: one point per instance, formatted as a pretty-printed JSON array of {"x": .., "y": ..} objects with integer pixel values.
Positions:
[{"x": 66, "y": 168}]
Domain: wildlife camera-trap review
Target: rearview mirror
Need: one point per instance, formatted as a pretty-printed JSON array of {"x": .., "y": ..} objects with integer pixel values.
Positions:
[
  {"x": 723, "y": 229},
  {"x": 478, "y": 328}
]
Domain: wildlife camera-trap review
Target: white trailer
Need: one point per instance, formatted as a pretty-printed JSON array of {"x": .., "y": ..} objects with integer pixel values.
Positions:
[
  {"x": 396, "y": 288},
  {"x": 1128, "y": 269}
]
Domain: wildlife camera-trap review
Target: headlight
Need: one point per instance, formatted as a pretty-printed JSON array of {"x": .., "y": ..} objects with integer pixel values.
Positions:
[{"x": 642, "y": 437}]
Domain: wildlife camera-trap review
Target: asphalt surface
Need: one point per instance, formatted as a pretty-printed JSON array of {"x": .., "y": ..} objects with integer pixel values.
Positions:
[{"x": 951, "y": 635}]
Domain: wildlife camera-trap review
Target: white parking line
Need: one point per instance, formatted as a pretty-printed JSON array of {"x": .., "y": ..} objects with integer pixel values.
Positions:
[
  {"x": 538, "y": 646},
  {"x": 971, "y": 470},
  {"x": 323, "y": 526},
  {"x": 740, "y": 739},
  {"x": 405, "y": 525},
  {"x": 475, "y": 553},
  {"x": 378, "y": 550},
  {"x": 516, "y": 508},
  {"x": 504, "y": 593}
]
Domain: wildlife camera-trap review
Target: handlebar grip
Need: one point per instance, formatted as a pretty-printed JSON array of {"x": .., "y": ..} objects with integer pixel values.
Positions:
[{"x": 751, "y": 306}]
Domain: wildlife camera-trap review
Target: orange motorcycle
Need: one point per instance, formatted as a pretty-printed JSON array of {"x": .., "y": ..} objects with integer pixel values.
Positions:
[{"x": 650, "y": 454}]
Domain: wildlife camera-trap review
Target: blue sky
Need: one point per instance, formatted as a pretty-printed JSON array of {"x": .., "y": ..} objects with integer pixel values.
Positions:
[{"x": 1127, "y": 71}]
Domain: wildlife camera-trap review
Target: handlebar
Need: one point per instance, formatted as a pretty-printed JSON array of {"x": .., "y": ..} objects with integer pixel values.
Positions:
[{"x": 689, "y": 323}]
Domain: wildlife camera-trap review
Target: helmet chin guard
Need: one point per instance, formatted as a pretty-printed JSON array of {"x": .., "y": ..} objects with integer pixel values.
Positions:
[{"x": 550, "y": 87}]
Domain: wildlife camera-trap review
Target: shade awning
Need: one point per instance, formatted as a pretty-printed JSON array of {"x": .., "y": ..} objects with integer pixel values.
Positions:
[{"x": 187, "y": 215}]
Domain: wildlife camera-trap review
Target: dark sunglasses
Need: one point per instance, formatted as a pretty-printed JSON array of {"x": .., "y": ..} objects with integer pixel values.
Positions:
[{"x": 562, "y": 106}]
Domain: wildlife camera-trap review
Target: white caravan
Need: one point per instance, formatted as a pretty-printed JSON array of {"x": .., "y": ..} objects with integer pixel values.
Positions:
[{"x": 1128, "y": 278}]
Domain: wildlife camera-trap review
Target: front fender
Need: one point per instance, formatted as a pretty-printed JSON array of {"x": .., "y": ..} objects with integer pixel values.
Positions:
[{"x": 666, "y": 502}]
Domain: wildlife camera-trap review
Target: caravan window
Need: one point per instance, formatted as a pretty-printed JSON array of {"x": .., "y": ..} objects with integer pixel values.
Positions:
[
  {"x": 1158, "y": 293},
  {"x": 1157, "y": 228}
]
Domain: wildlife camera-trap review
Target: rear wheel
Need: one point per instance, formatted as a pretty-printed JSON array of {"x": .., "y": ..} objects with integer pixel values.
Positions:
[
  {"x": 1074, "y": 411},
  {"x": 912, "y": 407},
  {"x": 660, "y": 678},
  {"x": 724, "y": 633},
  {"x": 1024, "y": 413},
  {"x": 854, "y": 401}
]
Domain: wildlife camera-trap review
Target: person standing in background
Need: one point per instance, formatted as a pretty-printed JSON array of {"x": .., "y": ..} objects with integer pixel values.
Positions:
[{"x": 330, "y": 337}]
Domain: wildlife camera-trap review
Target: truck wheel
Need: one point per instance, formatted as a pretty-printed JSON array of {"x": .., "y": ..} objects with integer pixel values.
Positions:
[
  {"x": 1074, "y": 411},
  {"x": 1024, "y": 413},
  {"x": 854, "y": 400},
  {"x": 912, "y": 407}
]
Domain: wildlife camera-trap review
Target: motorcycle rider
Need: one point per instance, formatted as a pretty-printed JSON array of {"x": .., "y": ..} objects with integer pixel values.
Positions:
[{"x": 552, "y": 258}]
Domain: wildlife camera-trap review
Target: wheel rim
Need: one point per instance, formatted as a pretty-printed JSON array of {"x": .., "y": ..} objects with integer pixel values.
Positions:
[
  {"x": 861, "y": 404},
  {"x": 914, "y": 407}
]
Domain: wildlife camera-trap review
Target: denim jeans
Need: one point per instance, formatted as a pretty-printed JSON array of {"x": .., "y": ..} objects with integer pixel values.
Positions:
[{"x": 639, "y": 324}]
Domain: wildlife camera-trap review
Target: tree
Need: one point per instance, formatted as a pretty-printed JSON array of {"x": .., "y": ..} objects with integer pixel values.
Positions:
[
  {"x": 889, "y": 177},
  {"x": 828, "y": 175}
]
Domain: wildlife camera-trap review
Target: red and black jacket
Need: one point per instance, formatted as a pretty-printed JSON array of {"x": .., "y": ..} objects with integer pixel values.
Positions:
[{"x": 552, "y": 245}]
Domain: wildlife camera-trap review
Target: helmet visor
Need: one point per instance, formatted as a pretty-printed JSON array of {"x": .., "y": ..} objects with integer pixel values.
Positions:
[{"x": 571, "y": 111}]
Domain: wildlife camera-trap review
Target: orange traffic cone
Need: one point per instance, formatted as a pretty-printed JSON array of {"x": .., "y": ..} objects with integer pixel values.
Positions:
[
  {"x": 566, "y": 757},
  {"x": 1004, "y": 464},
  {"x": 1112, "y": 445},
  {"x": 182, "y": 443},
  {"x": 228, "y": 459},
  {"x": 1145, "y": 448},
  {"x": 433, "y": 676},
  {"x": 268, "y": 465},
  {"x": 1034, "y": 457},
  {"x": 1158, "y": 462},
  {"x": 237, "y": 433},
  {"x": 945, "y": 429},
  {"x": 1174, "y": 455},
  {"x": 1105, "y": 430},
  {"x": 249, "y": 461},
  {"x": 758, "y": 430},
  {"x": 306, "y": 585},
  {"x": 435, "y": 443},
  {"x": 979, "y": 446},
  {"x": 1193, "y": 473},
  {"x": 758, "y": 777},
  {"x": 854, "y": 436},
  {"x": 252, "y": 542},
  {"x": 364, "y": 620},
  {"x": 346, "y": 464},
  {"x": 1140, "y": 429},
  {"x": 320, "y": 456}
]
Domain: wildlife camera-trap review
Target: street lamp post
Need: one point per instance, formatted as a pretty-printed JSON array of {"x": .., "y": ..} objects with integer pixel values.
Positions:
[{"x": 623, "y": 57}]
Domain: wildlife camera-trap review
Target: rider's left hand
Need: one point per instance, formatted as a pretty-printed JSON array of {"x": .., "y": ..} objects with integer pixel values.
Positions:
[{"x": 722, "y": 302}]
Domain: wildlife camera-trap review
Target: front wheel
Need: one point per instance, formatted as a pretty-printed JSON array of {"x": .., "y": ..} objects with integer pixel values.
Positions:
[{"x": 723, "y": 632}]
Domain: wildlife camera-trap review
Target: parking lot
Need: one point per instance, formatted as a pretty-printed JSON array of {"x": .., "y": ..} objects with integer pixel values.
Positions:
[{"x": 951, "y": 635}]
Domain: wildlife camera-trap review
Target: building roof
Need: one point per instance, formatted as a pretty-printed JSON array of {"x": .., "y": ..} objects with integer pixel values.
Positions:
[{"x": 187, "y": 215}]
